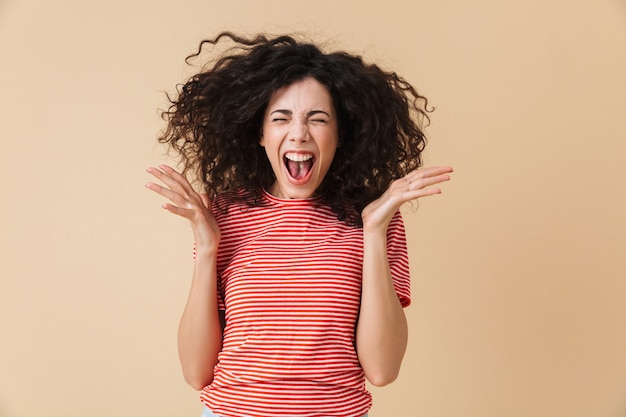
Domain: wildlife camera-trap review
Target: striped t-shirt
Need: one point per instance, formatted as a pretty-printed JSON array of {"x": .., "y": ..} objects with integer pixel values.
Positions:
[{"x": 289, "y": 279}]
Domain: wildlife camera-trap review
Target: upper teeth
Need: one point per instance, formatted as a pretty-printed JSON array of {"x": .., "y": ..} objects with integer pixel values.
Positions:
[{"x": 298, "y": 157}]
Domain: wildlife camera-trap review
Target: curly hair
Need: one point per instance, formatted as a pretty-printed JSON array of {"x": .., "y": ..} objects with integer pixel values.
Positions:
[{"x": 215, "y": 120}]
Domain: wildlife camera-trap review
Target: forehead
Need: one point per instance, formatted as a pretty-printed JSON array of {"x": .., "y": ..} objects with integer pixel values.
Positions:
[{"x": 306, "y": 94}]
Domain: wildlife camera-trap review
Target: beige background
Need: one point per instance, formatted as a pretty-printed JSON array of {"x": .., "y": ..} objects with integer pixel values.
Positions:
[{"x": 519, "y": 268}]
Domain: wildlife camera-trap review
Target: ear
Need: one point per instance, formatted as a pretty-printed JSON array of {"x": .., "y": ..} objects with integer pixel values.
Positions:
[{"x": 261, "y": 138}]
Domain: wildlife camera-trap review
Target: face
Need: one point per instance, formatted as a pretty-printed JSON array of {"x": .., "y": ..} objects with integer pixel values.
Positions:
[{"x": 300, "y": 137}]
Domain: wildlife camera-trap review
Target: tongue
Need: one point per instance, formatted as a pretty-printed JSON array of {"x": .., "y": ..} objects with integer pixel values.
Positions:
[{"x": 299, "y": 170}]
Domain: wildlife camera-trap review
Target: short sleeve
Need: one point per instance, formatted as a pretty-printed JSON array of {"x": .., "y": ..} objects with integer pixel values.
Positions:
[{"x": 397, "y": 254}]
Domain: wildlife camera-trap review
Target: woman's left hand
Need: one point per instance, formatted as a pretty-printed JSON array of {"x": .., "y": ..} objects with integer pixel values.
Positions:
[{"x": 416, "y": 184}]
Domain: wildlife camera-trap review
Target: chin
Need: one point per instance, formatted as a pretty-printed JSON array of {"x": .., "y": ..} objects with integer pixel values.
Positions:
[{"x": 292, "y": 191}]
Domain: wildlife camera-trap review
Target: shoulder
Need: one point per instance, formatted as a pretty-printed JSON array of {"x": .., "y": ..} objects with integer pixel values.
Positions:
[
  {"x": 240, "y": 197},
  {"x": 237, "y": 205}
]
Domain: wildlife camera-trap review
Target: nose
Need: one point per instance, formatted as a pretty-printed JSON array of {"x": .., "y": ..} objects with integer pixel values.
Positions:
[{"x": 299, "y": 131}]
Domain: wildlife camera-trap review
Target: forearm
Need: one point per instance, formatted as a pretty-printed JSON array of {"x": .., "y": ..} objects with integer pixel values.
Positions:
[
  {"x": 200, "y": 330},
  {"x": 382, "y": 333}
]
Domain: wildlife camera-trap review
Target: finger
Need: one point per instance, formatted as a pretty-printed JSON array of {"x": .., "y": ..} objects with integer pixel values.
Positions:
[
  {"x": 173, "y": 196},
  {"x": 179, "y": 211},
  {"x": 177, "y": 176},
  {"x": 175, "y": 182},
  {"x": 392, "y": 203},
  {"x": 163, "y": 177},
  {"x": 412, "y": 195},
  {"x": 171, "y": 178},
  {"x": 184, "y": 182},
  {"x": 427, "y": 181},
  {"x": 170, "y": 171},
  {"x": 424, "y": 192},
  {"x": 429, "y": 172}
]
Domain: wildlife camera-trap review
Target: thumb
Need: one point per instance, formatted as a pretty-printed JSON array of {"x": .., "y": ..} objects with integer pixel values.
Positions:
[{"x": 206, "y": 200}]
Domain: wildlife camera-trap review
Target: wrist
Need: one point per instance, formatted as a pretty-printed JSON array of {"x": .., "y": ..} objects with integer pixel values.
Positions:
[
  {"x": 374, "y": 240},
  {"x": 375, "y": 231},
  {"x": 204, "y": 251}
]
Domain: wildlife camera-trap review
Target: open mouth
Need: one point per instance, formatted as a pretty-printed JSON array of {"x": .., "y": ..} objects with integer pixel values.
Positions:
[{"x": 299, "y": 165}]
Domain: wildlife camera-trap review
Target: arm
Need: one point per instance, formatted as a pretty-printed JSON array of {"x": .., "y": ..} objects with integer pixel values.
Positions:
[
  {"x": 382, "y": 331},
  {"x": 382, "y": 334},
  {"x": 200, "y": 329}
]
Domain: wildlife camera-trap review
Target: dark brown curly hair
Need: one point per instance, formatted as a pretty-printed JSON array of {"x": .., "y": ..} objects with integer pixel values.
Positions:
[{"x": 215, "y": 120}]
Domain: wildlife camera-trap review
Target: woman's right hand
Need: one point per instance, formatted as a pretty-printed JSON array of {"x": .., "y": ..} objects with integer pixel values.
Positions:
[{"x": 187, "y": 203}]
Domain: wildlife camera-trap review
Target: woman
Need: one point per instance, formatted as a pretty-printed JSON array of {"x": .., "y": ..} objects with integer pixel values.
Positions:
[{"x": 301, "y": 268}]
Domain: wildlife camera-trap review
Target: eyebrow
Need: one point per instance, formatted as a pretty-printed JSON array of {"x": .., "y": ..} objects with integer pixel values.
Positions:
[{"x": 309, "y": 114}]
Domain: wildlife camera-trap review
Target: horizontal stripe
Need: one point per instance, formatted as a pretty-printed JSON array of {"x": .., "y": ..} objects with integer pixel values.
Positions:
[{"x": 290, "y": 283}]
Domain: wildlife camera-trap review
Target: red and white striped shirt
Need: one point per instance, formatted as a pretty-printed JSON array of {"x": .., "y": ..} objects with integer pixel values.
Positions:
[{"x": 289, "y": 279}]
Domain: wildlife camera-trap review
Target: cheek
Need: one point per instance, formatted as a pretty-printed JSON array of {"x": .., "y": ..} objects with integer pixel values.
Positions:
[
  {"x": 330, "y": 143},
  {"x": 271, "y": 151},
  {"x": 265, "y": 140}
]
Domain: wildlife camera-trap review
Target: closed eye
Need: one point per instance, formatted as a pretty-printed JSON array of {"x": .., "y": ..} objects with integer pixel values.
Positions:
[
  {"x": 280, "y": 115},
  {"x": 318, "y": 116}
]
